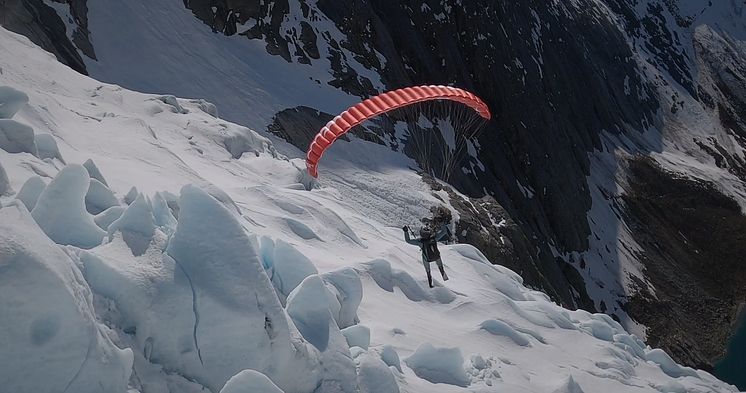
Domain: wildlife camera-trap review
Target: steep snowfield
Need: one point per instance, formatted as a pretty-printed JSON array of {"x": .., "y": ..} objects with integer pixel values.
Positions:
[
  {"x": 254, "y": 85},
  {"x": 218, "y": 261}
]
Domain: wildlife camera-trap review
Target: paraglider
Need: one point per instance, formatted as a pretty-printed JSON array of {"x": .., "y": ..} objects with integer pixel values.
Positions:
[
  {"x": 391, "y": 101},
  {"x": 457, "y": 125}
]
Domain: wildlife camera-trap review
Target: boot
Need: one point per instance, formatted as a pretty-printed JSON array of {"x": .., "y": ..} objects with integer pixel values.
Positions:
[{"x": 443, "y": 272}]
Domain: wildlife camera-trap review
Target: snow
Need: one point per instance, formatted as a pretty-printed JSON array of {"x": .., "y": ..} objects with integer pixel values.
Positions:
[
  {"x": 250, "y": 381},
  {"x": 598, "y": 329},
  {"x": 51, "y": 338},
  {"x": 197, "y": 303},
  {"x": 500, "y": 328},
  {"x": 570, "y": 386},
  {"x": 439, "y": 365},
  {"x": 667, "y": 364},
  {"x": 208, "y": 108},
  {"x": 374, "y": 376},
  {"x": 60, "y": 210},
  {"x": 11, "y": 101},
  {"x": 173, "y": 103},
  {"x": 253, "y": 85}
]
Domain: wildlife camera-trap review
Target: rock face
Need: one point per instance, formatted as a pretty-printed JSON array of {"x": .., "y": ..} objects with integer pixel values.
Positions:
[
  {"x": 722, "y": 88},
  {"x": 570, "y": 84},
  {"x": 694, "y": 237},
  {"x": 41, "y": 24},
  {"x": 299, "y": 125}
]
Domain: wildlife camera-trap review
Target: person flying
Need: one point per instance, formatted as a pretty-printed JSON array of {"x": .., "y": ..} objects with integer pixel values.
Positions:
[{"x": 428, "y": 243}]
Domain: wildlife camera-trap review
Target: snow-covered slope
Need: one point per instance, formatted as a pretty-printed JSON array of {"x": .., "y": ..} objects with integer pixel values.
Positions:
[
  {"x": 207, "y": 257},
  {"x": 253, "y": 85}
]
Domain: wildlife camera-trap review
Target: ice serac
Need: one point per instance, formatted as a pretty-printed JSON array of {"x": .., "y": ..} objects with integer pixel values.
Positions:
[
  {"x": 162, "y": 214},
  {"x": 60, "y": 210},
  {"x": 250, "y": 381},
  {"x": 136, "y": 224},
  {"x": 207, "y": 107},
  {"x": 439, "y": 365},
  {"x": 47, "y": 148},
  {"x": 11, "y": 101},
  {"x": 287, "y": 266},
  {"x": 374, "y": 376},
  {"x": 390, "y": 357},
  {"x": 94, "y": 172},
  {"x": 349, "y": 291},
  {"x": 357, "y": 336},
  {"x": 131, "y": 195},
  {"x": 239, "y": 322},
  {"x": 4, "y": 182},
  {"x": 50, "y": 332},
  {"x": 30, "y": 191},
  {"x": 308, "y": 307},
  {"x": 106, "y": 217},
  {"x": 99, "y": 197},
  {"x": 16, "y": 137}
]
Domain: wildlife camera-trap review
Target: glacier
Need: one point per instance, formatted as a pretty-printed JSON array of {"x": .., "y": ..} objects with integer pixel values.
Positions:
[{"x": 208, "y": 269}]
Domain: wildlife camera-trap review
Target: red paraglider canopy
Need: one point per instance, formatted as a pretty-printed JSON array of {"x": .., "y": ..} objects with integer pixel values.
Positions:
[{"x": 382, "y": 103}]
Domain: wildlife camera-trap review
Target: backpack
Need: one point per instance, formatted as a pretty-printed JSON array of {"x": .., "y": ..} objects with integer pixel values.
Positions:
[{"x": 430, "y": 249}]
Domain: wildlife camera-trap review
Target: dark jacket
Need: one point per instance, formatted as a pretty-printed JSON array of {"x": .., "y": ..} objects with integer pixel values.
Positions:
[{"x": 428, "y": 246}]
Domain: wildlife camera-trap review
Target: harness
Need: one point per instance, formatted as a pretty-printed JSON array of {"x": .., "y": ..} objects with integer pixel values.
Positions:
[{"x": 430, "y": 249}]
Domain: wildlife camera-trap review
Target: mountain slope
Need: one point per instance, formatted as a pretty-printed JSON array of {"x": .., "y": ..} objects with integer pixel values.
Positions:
[
  {"x": 247, "y": 269},
  {"x": 583, "y": 92}
]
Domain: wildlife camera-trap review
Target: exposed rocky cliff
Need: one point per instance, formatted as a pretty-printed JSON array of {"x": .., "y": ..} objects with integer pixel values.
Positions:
[
  {"x": 694, "y": 239},
  {"x": 40, "y": 22}
]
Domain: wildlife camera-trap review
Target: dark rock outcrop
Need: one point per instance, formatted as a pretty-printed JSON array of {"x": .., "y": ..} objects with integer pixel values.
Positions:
[
  {"x": 722, "y": 87},
  {"x": 298, "y": 125},
  {"x": 43, "y": 26},
  {"x": 694, "y": 239}
]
